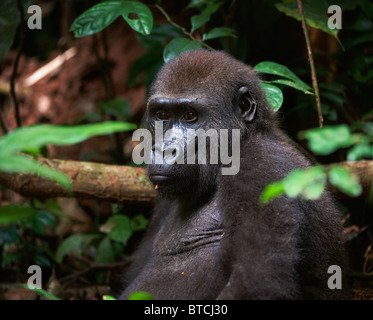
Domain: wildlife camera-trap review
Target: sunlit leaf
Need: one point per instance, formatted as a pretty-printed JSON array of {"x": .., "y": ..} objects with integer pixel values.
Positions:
[
  {"x": 328, "y": 139},
  {"x": 360, "y": 151},
  {"x": 139, "y": 295},
  {"x": 309, "y": 183},
  {"x": 23, "y": 164},
  {"x": 274, "y": 96},
  {"x": 32, "y": 137},
  {"x": 280, "y": 70},
  {"x": 272, "y": 191},
  {"x": 345, "y": 180}
]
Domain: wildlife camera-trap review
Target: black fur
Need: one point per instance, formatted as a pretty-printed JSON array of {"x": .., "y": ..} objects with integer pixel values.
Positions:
[{"x": 211, "y": 239}]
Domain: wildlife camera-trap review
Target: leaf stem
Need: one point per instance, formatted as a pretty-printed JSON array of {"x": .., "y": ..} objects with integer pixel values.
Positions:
[
  {"x": 188, "y": 34},
  {"x": 15, "y": 66},
  {"x": 312, "y": 64}
]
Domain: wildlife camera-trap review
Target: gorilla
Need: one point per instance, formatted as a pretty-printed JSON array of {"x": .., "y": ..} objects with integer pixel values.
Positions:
[{"x": 209, "y": 236}]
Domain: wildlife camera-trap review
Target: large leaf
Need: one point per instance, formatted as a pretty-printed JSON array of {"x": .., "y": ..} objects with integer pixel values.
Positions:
[
  {"x": 218, "y": 33},
  {"x": 280, "y": 70},
  {"x": 9, "y": 21},
  {"x": 314, "y": 12},
  {"x": 29, "y": 138},
  {"x": 274, "y": 96},
  {"x": 103, "y": 14},
  {"x": 144, "y": 23},
  {"x": 21, "y": 163},
  {"x": 118, "y": 228},
  {"x": 74, "y": 244},
  {"x": 307, "y": 183},
  {"x": 345, "y": 180},
  {"x": 105, "y": 253},
  {"x": 359, "y": 151},
  {"x": 138, "y": 222},
  {"x": 14, "y": 213},
  {"x": 328, "y": 139},
  {"x": 200, "y": 19},
  {"x": 178, "y": 46}
]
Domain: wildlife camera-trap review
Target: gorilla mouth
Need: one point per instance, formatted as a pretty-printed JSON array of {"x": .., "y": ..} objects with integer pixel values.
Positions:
[{"x": 160, "y": 179}]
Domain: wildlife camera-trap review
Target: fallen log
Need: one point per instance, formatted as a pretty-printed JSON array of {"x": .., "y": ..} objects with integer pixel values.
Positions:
[{"x": 121, "y": 183}]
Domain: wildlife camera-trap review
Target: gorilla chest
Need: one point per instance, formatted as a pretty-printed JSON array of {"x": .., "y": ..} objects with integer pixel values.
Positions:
[{"x": 196, "y": 231}]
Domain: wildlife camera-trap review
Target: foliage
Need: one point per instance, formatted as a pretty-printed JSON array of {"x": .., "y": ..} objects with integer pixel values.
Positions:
[
  {"x": 103, "y": 14},
  {"x": 32, "y": 138},
  {"x": 345, "y": 79},
  {"x": 9, "y": 21},
  {"x": 308, "y": 183}
]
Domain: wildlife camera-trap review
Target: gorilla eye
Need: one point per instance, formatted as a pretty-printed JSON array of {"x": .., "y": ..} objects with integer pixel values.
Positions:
[
  {"x": 190, "y": 116},
  {"x": 162, "y": 115}
]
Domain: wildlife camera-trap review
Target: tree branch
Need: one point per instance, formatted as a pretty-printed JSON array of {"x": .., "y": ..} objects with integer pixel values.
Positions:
[
  {"x": 88, "y": 180},
  {"x": 121, "y": 183}
]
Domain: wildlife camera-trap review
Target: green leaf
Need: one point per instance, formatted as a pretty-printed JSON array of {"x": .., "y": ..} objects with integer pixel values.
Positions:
[
  {"x": 328, "y": 139},
  {"x": 315, "y": 13},
  {"x": 144, "y": 23},
  {"x": 15, "y": 213},
  {"x": 25, "y": 164},
  {"x": 274, "y": 96},
  {"x": 32, "y": 137},
  {"x": 360, "y": 151},
  {"x": 74, "y": 243},
  {"x": 103, "y": 14},
  {"x": 218, "y": 33},
  {"x": 272, "y": 191},
  {"x": 39, "y": 221},
  {"x": 200, "y": 19},
  {"x": 178, "y": 46},
  {"x": 108, "y": 297},
  {"x": 140, "y": 295},
  {"x": 39, "y": 291},
  {"x": 282, "y": 71},
  {"x": 120, "y": 108},
  {"x": 105, "y": 253},
  {"x": 53, "y": 207},
  {"x": 118, "y": 228},
  {"x": 9, "y": 21},
  {"x": 96, "y": 18},
  {"x": 138, "y": 222},
  {"x": 308, "y": 183},
  {"x": 345, "y": 180}
]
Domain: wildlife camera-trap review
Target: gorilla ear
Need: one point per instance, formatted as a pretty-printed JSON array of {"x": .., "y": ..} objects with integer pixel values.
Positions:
[{"x": 247, "y": 104}]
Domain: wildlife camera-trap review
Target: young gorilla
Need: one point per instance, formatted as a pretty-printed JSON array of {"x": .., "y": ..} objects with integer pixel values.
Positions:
[{"x": 209, "y": 237}]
